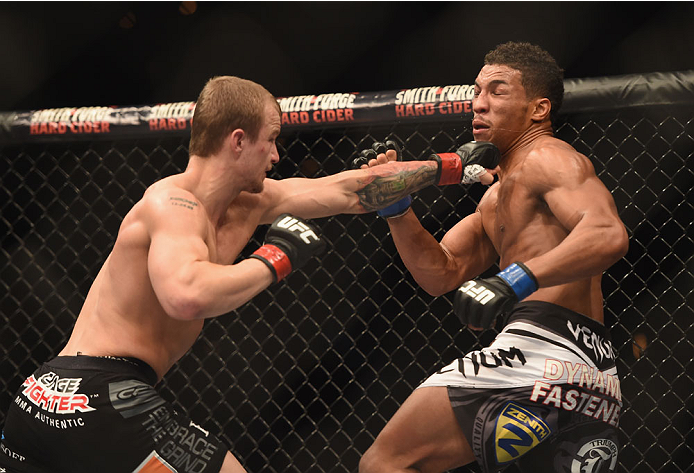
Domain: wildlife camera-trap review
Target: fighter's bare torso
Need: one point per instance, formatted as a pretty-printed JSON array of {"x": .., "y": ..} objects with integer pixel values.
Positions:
[
  {"x": 121, "y": 315},
  {"x": 521, "y": 226}
]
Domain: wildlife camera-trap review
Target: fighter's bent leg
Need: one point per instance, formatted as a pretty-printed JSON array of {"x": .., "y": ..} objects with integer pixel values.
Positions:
[
  {"x": 423, "y": 436},
  {"x": 231, "y": 465}
]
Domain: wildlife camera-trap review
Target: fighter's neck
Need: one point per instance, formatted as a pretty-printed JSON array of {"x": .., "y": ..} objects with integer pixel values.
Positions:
[
  {"x": 213, "y": 184},
  {"x": 520, "y": 146}
]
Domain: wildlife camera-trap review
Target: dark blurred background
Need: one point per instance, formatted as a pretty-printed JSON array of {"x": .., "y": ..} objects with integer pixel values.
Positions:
[{"x": 129, "y": 53}]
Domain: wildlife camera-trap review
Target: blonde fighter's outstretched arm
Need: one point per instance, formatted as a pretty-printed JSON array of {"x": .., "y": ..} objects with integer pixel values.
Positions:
[
  {"x": 348, "y": 192},
  {"x": 374, "y": 187}
]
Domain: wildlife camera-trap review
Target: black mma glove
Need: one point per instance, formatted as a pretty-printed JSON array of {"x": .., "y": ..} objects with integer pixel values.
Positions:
[
  {"x": 400, "y": 207},
  {"x": 289, "y": 243},
  {"x": 467, "y": 164},
  {"x": 479, "y": 301}
]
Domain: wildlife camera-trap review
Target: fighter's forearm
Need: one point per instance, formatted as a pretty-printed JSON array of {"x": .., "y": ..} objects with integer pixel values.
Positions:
[
  {"x": 386, "y": 184},
  {"x": 206, "y": 289},
  {"x": 377, "y": 187},
  {"x": 395, "y": 180},
  {"x": 349, "y": 192},
  {"x": 587, "y": 251},
  {"x": 425, "y": 258}
]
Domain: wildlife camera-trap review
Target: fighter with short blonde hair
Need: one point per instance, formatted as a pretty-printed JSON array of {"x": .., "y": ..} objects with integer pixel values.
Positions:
[{"x": 94, "y": 408}]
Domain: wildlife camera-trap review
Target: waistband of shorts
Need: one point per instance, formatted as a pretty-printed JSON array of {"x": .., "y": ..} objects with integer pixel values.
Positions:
[
  {"x": 125, "y": 365},
  {"x": 554, "y": 317}
]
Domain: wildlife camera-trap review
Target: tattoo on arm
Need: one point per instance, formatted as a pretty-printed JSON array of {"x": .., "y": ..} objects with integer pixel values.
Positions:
[
  {"x": 180, "y": 202},
  {"x": 386, "y": 186}
]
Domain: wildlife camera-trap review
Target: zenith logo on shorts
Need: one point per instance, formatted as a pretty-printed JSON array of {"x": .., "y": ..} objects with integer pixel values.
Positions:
[
  {"x": 518, "y": 430},
  {"x": 294, "y": 225}
]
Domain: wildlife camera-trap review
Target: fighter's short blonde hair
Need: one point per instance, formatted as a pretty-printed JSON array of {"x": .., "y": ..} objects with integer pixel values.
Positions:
[{"x": 225, "y": 104}]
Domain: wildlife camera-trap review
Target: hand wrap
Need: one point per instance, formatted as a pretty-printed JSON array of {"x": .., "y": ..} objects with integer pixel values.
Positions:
[
  {"x": 400, "y": 207},
  {"x": 467, "y": 164}
]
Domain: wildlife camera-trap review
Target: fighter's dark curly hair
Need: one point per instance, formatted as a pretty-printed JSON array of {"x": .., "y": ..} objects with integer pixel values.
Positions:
[{"x": 541, "y": 76}]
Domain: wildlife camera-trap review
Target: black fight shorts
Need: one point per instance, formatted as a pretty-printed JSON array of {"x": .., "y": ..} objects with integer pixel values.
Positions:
[
  {"x": 101, "y": 414},
  {"x": 544, "y": 395}
]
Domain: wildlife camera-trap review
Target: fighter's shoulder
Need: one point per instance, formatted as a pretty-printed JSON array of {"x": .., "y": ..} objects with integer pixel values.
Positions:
[
  {"x": 167, "y": 193},
  {"x": 166, "y": 205},
  {"x": 489, "y": 198},
  {"x": 553, "y": 160},
  {"x": 554, "y": 152}
]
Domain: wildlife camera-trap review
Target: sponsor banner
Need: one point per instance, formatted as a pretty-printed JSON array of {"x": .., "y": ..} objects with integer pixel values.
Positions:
[
  {"x": 298, "y": 112},
  {"x": 88, "y": 123},
  {"x": 420, "y": 104},
  {"x": 436, "y": 103}
]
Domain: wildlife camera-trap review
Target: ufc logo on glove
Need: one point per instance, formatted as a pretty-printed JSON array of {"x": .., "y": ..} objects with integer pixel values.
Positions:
[
  {"x": 480, "y": 293},
  {"x": 479, "y": 301},
  {"x": 294, "y": 225}
]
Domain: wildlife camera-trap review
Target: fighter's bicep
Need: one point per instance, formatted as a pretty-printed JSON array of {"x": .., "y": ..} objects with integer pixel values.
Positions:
[
  {"x": 177, "y": 232},
  {"x": 468, "y": 244},
  {"x": 584, "y": 196},
  {"x": 171, "y": 250}
]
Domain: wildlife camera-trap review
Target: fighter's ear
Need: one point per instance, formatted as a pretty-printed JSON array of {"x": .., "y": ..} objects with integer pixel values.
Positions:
[
  {"x": 541, "y": 109},
  {"x": 237, "y": 139}
]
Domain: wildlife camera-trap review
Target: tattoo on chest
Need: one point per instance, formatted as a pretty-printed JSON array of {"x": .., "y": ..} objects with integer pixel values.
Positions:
[
  {"x": 180, "y": 202},
  {"x": 388, "y": 189}
]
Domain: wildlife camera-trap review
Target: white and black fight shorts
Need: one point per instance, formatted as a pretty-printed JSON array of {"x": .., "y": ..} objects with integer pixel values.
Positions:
[
  {"x": 544, "y": 395},
  {"x": 83, "y": 414}
]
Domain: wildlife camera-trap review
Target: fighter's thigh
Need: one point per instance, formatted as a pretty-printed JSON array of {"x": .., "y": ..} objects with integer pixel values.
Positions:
[
  {"x": 231, "y": 465},
  {"x": 424, "y": 433}
]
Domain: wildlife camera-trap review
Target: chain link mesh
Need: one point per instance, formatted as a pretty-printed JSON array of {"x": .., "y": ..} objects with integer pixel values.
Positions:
[{"x": 303, "y": 377}]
